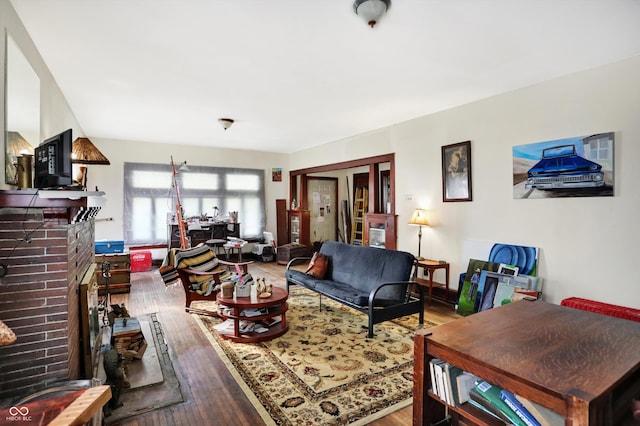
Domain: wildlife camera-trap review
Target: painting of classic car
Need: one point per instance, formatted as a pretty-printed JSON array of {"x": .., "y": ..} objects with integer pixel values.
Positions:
[
  {"x": 574, "y": 167},
  {"x": 560, "y": 167}
]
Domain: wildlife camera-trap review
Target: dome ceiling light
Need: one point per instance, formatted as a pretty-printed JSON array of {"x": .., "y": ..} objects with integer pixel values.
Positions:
[
  {"x": 371, "y": 10},
  {"x": 225, "y": 122}
]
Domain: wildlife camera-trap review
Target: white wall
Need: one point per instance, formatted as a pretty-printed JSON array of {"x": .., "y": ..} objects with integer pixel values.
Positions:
[
  {"x": 588, "y": 245},
  {"x": 110, "y": 178},
  {"x": 55, "y": 114}
]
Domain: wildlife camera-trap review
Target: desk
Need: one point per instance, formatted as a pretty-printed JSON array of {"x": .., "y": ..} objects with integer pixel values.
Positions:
[
  {"x": 430, "y": 266},
  {"x": 216, "y": 230},
  {"x": 582, "y": 365}
]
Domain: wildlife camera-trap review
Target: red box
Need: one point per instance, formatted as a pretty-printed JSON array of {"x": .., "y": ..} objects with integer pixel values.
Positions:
[{"x": 140, "y": 261}]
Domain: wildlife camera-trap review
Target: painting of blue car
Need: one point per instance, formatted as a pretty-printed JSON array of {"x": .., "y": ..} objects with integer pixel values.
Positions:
[
  {"x": 560, "y": 167},
  {"x": 573, "y": 167}
]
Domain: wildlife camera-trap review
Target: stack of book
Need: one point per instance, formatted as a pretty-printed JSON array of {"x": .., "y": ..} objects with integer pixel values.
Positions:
[
  {"x": 455, "y": 387},
  {"x": 511, "y": 409},
  {"x": 450, "y": 383}
]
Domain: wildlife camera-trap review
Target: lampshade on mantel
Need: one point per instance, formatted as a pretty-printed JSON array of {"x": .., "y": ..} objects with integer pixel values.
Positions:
[
  {"x": 85, "y": 152},
  {"x": 420, "y": 218}
]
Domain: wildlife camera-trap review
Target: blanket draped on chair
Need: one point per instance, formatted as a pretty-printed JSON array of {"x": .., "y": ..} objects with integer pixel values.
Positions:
[{"x": 199, "y": 258}]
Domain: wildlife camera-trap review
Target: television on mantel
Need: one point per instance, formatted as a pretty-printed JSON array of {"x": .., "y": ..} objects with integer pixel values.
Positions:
[{"x": 52, "y": 167}]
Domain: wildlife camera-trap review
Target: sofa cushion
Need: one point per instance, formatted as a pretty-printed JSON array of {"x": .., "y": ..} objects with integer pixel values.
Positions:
[
  {"x": 363, "y": 268},
  {"x": 336, "y": 289}
]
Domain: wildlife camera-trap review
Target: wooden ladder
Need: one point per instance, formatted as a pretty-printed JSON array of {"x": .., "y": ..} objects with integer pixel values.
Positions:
[{"x": 360, "y": 205}]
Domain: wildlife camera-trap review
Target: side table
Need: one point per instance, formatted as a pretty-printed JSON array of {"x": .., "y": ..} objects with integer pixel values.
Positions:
[
  {"x": 430, "y": 266},
  {"x": 276, "y": 304}
]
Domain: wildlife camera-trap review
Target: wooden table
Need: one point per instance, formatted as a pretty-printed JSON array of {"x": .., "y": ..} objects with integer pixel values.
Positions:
[
  {"x": 430, "y": 266},
  {"x": 582, "y": 365},
  {"x": 276, "y": 304}
]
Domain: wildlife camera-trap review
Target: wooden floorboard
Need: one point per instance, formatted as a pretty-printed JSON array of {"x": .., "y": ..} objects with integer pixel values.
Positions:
[{"x": 212, "y": 396}]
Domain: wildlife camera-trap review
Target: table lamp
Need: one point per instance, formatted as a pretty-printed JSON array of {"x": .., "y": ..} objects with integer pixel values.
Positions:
[{"x": 419, "y": 217}]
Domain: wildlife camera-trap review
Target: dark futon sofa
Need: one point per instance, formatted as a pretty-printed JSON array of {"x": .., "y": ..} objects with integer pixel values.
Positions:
[{"x": 375, "y": 281}]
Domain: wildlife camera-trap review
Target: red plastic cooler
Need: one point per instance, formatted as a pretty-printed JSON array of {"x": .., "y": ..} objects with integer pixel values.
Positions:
[{"x": 140, "y": 261}]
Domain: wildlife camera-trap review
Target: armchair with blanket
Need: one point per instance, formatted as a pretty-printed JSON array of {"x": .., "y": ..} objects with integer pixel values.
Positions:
[{"x": 199, "y": 270}]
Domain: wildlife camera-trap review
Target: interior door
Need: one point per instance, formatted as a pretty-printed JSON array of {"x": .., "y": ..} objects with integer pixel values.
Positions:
[{"x": 322, "y": 202}]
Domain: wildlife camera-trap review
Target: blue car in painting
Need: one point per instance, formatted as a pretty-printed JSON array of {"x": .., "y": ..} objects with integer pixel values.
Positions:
[{"x": 562, "y": 168}]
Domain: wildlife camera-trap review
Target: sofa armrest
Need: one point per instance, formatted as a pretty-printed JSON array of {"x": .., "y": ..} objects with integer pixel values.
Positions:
[
  {"x": 374, "y": 292},
  {"x": 297, "y": 260}
]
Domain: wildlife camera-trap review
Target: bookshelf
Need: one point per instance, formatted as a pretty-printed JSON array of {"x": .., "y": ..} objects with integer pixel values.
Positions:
[{"x": 582, "y": 365}]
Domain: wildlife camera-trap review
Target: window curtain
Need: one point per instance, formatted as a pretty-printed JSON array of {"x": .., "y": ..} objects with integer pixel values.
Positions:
[{"x": 150, "y": 199}]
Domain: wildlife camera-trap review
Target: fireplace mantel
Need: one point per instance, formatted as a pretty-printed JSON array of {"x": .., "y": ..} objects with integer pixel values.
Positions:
[{"x": 62, "y": 205}]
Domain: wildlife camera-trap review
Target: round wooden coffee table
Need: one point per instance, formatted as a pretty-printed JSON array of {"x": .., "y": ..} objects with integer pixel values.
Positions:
[{"x": 275, "y": 305}]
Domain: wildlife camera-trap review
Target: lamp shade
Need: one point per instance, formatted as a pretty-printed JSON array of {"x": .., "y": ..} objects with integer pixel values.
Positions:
[
  {"x": 371, "y": 10},
  {"x": 16, "y": 146},
  {"x": 225, "y": 122},
  {"x": 85, "y": 152},
  {"x": 419, "y": 217}
]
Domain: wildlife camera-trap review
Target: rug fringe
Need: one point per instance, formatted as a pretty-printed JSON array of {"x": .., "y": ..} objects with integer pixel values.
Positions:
[{"x": 380, "y": 414}]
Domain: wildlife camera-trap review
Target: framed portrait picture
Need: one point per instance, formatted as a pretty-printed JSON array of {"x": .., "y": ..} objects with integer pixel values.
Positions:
[{"x": 456, "y": 172}]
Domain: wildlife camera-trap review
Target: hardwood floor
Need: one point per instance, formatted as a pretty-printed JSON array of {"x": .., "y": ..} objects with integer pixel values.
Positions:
[{"x": 212, "y": 396}]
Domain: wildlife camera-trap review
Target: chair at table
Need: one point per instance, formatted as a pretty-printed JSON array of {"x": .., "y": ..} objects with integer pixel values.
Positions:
[
  {"x": 200, "y": 272},
  {"x": 217, "y": 245}
]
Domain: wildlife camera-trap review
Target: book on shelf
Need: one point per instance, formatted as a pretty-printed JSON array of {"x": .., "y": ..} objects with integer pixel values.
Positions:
[
  {"x": 225, "y": 327},
  {"x": 465, "y": 382},
  {"x": 544, "y": 415},
  {"x": 442, "y": 383},
  {"x": 479, "y": 401},
  {"x": 518, "y": 408},
  {"x": 272, "y": 321},
  {"x": 432, "y": 371},
  {"x": 492, "y": 394},
  {"x": 253, "y": 312},
  {"x": 451, "y": 372},
  {"x": 437, "y": 366}
]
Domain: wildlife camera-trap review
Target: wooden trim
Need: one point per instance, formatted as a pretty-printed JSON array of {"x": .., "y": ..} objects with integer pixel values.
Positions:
[
  {"x": 372, "y": 162},
  {"x": 385, "y": 158}
]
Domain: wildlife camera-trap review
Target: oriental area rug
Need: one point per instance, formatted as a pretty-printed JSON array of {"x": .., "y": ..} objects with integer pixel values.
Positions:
[{"x": 324, "y": 370}]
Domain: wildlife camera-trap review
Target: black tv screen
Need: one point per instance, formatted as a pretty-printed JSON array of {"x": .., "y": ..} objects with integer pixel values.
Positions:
[{"x": 52, "y": 165}]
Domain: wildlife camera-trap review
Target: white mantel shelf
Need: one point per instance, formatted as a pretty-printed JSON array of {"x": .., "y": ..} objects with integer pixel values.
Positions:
[{"x": 72, "y": 195}]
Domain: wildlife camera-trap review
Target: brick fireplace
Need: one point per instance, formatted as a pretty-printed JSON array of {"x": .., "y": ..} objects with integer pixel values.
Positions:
[{"x": 47, "y": 254}]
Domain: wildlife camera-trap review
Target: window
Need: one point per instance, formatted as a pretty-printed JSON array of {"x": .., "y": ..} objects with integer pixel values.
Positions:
[{"x": 150, "y": 199}]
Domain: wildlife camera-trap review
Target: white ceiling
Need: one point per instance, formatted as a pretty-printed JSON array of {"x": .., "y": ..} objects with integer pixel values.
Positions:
[{"x": 300, "y": 73}]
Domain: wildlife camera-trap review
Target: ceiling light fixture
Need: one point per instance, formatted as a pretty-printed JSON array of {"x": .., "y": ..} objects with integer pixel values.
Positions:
[
  {"x": 225, "y": 122},
  {"x": 371, "y": 10}
]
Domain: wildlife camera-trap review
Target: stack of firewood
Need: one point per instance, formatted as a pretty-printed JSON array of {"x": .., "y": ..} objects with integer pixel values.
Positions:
[{"x": 128, "y": 338}]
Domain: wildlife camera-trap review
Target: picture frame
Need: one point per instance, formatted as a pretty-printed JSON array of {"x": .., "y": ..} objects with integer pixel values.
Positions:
[
  {"x": 456, "y": 172},
  {"x": 508, "y": 269}
]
